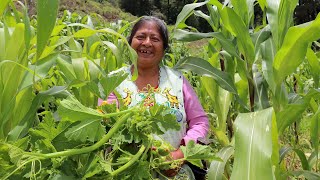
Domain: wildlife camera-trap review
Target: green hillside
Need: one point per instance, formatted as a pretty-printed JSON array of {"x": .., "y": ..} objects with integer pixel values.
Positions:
[{"x": 104, "y": 10}]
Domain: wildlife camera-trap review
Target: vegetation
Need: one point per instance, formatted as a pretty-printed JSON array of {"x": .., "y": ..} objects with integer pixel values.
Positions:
[{"x": 258, "y": 82}]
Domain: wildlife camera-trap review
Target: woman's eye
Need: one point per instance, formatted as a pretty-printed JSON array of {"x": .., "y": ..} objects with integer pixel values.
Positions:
[
  {"x": 155, "y": 39},
  {"x": 140, "y": 37}
]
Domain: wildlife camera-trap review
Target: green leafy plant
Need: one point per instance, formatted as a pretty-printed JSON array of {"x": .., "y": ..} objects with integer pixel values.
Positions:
[
  {"x": 51, "y": 126},
  {"x": 247, "y": 74}
]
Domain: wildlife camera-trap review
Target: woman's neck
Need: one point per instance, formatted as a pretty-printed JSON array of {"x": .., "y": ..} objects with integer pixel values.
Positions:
[{"x": 147, "y": 76}]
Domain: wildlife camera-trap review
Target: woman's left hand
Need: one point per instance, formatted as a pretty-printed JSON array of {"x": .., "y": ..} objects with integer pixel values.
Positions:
[{"x": 177, "y": 154}]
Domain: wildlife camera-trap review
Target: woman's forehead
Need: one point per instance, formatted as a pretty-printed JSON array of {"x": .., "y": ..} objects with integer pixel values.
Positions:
[{"x": 150, "y": 27}]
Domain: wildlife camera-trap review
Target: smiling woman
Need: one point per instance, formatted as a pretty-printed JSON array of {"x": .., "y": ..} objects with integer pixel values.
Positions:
[{"x": 158, "y": 84}]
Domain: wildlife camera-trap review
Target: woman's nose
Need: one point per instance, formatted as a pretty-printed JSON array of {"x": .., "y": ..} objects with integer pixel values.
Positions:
[{"x": 147, "y": 42}]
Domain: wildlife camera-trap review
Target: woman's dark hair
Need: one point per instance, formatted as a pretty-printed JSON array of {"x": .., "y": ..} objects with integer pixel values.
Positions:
[{"x": 161, "y": 25}]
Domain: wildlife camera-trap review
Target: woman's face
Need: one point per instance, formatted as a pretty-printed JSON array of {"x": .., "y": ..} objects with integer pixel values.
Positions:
[{"x": 148, "y": 44}]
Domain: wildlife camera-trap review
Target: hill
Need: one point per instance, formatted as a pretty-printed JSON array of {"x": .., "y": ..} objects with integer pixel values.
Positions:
[{"x": 107, "y": 11}]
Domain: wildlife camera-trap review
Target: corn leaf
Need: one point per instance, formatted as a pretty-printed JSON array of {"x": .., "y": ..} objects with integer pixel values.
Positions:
[
  {"x": 272, "y": 16},
  {"x": 253, "y": 139},
  {"x": 295, "y": 109},
  {"x": 307, "y": 174},
  {"x": 314, "y": 66},
  {"x": 47, "y": 11},
  {"x": 300, "y": 153},
  {"x": 112, "y": 80},
  {"x": 221, "y": 99},
  {"x": 183, "y": 35},
  {"x": 244, "y": 8},
  {"x": 204, "y": 68},
  {"x": 234, "y": 24},
  {"x": 185, "y": 13},
  {"x": 294, "y": 49},
  {"x": 3, "y": 6},
  {"x": 267, "y": 53},
  {"x": 216, "y": 170}
]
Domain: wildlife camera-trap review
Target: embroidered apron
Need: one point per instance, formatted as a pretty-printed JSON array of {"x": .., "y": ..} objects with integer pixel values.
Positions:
[{"x": 168, "y": 93}]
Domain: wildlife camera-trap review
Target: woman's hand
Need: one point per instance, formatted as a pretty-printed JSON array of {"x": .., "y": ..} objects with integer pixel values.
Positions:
[{"x": 177, "y": 154}]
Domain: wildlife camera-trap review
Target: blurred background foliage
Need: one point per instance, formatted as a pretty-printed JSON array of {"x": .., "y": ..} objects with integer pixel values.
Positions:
[{"x": 168, "y": 10}]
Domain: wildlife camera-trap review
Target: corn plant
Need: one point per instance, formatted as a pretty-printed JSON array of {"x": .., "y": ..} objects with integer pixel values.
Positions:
[
  {"x": 52, "y": 72},
  {"x": 247, "y": 73}
]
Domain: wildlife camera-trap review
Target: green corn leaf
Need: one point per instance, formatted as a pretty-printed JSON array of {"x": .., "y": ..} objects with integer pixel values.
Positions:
[
  {"x": 314, "y": 66},
  {"x": 94, "y": 49},
  {"x": 204, "y": 68},
  {"x": 272, "y": 16},
  {"x": 315, "y": 128},
  {"x": 221, "y": 99},
  {"x": 261, "y": 92},
  {"x": 76, "y": 47},
  {"x": 290, "y": 114},
  {"x": 295, "y": 109},
  {"x": 314, "y": 157},
  {"x": 236, "y": 27},
  {"x": 23, "y": 102},
  {"x": 183, "y": 35},
  {"x": 244, "y": 8},
  {"x": 26, "y": 21},
  {"x": 15, "y": 45},
  {"x": 94, "y": 70},
  {"x": 253, "y": 139},
  {"x": 259, "y": 37},
  {"x": 262, "y": 4},
  {"x": 294, "y": 49},
  {"x": 300, "y": 153},
  {"x": 66, "y": 68},
  {"x": 115, "y": 50},
  {"x": 2, "y": 44},
  {"x": 83, "y": 33},
  {"x": 216, "y": 169},
  {"x": 243, "y": 90},
  {"x": 41, "y": 69},
  {"x": 3, "y": 6},
  {"x": 186, "y": 12},
  {"x": 57, "y": 29},
  {"x": 80, "y": 68},
  {"x": 47, "y": 11},
  {"x": 307, "y": 174},
  {"x": 206, "y": 17},
  {"x": 112, "y": 80},
  {"x": 267, "y": 53},
  {"x": 285, "y": 18},
  {"x": 83, "y": 131}
]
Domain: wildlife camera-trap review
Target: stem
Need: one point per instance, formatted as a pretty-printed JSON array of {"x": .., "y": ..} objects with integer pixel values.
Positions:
[
  {"x": 148, "y": 147},
  {"x": 129, "y": 163},
  {"x": 117, "y": 113},
  {"x": 95, "y": 146},
  {"x": 170, "y": 162},
  {"x": 19, "y": 167},
  {"x": 251, "y": 86}
]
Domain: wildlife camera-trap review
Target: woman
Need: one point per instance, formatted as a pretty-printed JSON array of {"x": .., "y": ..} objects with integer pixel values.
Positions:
[{"x": 149, "y": 38}]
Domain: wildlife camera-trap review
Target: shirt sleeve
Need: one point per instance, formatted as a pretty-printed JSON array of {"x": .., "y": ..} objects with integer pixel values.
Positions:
[
  {"x": 111, "y": 99},
  {"x": 197, "y": 119}
]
